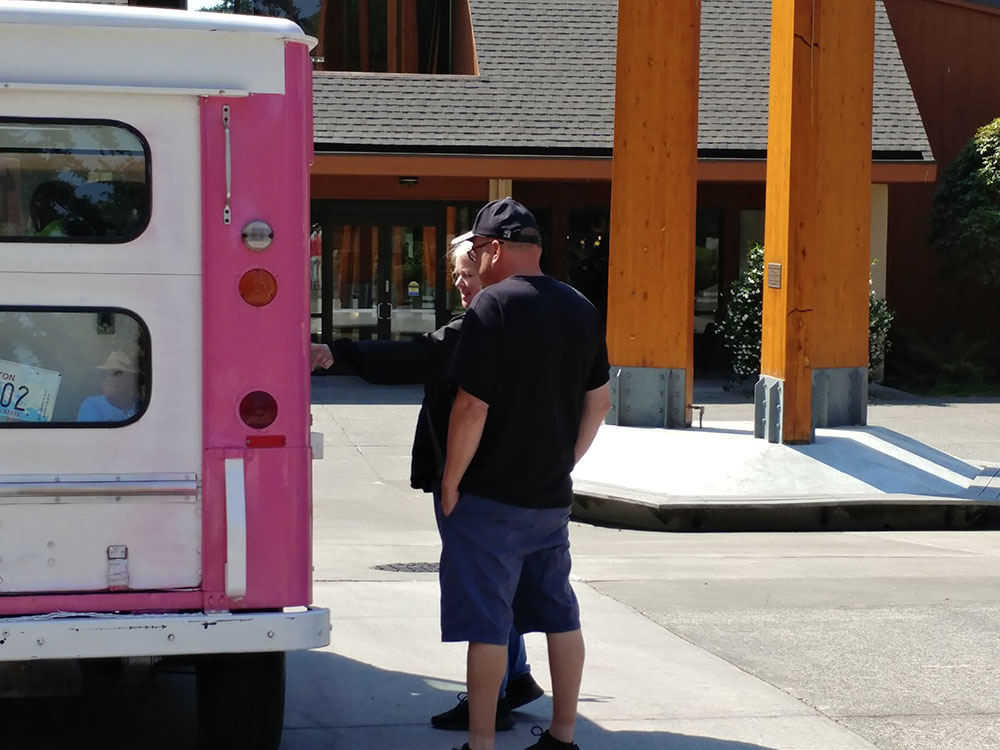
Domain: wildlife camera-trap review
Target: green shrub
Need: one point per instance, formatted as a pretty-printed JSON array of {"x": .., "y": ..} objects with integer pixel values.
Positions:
[
  {"x": 943, "y": 364},
  {"x": 740, "y": 324},
  {"x": 965, "y": 216}
]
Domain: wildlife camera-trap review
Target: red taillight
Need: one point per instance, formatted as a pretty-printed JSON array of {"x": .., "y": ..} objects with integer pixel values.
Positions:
[
  {"x": 258, "y": 287},
  {"x": 265, "y": 441},
  {"x": 258, "y": 409}
]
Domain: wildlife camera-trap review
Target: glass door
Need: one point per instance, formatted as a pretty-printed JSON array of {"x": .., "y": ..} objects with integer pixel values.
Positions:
[
  {"x": 353, "y": 277},
  {"x": 377, "y": 271},
  {"x": 408, "y": 306}
]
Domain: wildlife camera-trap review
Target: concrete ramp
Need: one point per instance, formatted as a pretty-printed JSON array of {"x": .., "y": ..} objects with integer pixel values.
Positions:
[{"x": 720, "y": 477}]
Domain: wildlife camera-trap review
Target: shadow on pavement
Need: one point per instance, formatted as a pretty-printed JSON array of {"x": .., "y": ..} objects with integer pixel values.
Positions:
[
  {"x": 925, "y": 451},
  {"x": 332, "y": 703},
  {"x": 884, "y": 472},
  {"x": 157, "y": 716},
  {"x": 348, "y": 389},
  {"x": 336, "y": 703}
]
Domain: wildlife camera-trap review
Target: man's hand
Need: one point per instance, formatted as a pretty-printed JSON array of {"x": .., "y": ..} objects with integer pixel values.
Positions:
[
  {"x": 465, "y": 429},
  {"x": 449, "y": 499},
  {"x": 320, "y": 355}
]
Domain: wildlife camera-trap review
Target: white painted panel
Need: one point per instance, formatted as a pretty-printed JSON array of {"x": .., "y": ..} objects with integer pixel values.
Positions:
[
  {"x": 167, "y": 438},
  {"x": 124, "y": 48},
  {"x": 63, "y": 547},
  {"x": 172, "y": 241},
  {"x": 70, "y": 636},
  {"x": 236, "y": 529}
]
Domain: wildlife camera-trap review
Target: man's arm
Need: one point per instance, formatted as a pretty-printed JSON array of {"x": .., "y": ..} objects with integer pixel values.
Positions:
[
  {"x": 320, "y": 356},
  {"x": 596, "y": 405},
  {"x": 465, "y": 430}
]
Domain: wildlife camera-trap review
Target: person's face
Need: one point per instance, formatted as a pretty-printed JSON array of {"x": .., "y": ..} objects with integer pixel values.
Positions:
[
  {"x": 482, "y": 254},
  {"x": 121, "y": 388},
  {"x": 465, "y": 276}
]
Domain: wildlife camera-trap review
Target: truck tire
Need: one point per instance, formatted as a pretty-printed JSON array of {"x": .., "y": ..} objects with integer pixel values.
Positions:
[{"x": 240, "y": 700}]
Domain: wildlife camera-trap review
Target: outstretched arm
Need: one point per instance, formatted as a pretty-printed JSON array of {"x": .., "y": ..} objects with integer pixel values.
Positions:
[{"x": 320, "y": 356}]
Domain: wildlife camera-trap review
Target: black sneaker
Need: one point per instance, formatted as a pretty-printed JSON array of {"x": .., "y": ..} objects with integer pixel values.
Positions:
[
  {"x": 457, "y": 718},
  {"x": 463, "y": 747},
  {"x": 547, "y": 742},
  {"x": 522, "y": 690}
]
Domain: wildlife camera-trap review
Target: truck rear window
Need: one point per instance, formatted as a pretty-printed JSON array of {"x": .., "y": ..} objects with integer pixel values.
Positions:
[
  {"x": 72, "y": 181},
  {"x": 72, "y": 367}
]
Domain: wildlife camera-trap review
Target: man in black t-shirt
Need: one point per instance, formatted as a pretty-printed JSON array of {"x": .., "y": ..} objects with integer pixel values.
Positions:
[{"x": 532, "y": 369}]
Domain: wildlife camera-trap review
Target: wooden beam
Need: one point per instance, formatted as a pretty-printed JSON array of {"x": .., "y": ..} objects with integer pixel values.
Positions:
[
  {"x": 363, "y": 39},
  {"x": 817, "y": 221},
  {"x": 568, "y": 168},
  {"x": 654, "y": 187},
  {"x": 392, "y": 36}
]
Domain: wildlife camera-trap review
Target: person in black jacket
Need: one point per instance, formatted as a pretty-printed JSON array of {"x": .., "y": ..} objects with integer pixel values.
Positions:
[{"x": 427, "y": 359}]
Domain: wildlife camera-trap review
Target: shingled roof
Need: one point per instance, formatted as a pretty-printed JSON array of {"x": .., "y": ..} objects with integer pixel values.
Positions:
[{"x": 547, "y": 82}]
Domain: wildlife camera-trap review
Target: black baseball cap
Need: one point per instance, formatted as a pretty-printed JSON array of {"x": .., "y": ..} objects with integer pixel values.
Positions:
[{"x": 506, "y": 219}]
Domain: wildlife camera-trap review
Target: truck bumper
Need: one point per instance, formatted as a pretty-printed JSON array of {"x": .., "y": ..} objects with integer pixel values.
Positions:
[{"x": 103, "y": 635}]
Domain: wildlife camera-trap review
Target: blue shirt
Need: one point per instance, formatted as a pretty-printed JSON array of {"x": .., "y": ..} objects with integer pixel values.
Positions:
[{"x": 99, "y": 409}]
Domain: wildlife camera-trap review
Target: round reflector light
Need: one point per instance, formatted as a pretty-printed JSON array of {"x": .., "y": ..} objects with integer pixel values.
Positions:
[
  {"x": 258, "y": 235},
  {"x": 258, "y": 287},
  {"x": 258, "y": 409}
]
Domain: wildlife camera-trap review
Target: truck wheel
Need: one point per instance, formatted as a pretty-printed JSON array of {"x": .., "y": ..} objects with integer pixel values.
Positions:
[{"x": 241, "y": 700}]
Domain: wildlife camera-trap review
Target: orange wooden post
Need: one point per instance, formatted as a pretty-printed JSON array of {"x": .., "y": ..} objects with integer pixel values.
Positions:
[
  {"x": 814, "y": 354},
  {"x": 653, "y": 204}
]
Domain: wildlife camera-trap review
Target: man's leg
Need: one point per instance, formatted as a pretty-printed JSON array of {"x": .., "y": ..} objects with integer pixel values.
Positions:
[
  {"x": 485, "y": 669},
  {"x": 566, "y": 656},
  {"x": 517, "y": 659}
]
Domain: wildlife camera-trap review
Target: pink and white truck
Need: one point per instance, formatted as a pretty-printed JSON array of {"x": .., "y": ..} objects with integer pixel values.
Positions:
[{"x": 155, "y": 450}]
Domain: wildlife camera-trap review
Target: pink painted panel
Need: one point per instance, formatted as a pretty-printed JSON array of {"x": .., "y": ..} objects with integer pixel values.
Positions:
[
  {"x": 132, "y": 601},
  {"x": 246, "y": 349},
  {"x": 265, "y": 348}
]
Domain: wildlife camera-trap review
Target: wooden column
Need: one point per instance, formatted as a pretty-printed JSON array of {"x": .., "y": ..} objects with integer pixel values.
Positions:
[
  {"x": 817, "y": 224},
  {"x": 654, "y": 196}
]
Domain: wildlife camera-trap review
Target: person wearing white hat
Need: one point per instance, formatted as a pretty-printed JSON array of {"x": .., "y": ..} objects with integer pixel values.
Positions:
[{"x": 119, "y": 397}]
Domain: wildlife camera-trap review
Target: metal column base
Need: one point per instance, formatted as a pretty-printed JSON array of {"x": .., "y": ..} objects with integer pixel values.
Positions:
[
  {"x": 768, "y": 400},
  {"x": 648, "y": 397},
  {"x": 839, "y": 397}
]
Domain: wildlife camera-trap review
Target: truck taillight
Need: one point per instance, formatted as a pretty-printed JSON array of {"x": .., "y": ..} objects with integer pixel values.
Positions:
[
  {"x": 258, "y": 409},
  {"x": 258, "y": 287}
]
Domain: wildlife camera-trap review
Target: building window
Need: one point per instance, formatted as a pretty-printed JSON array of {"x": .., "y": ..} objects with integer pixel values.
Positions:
[
  {"x": 388, "y": 36},
  {"x": 72, "y": 366},
  {"x": 84, "y": 181}
]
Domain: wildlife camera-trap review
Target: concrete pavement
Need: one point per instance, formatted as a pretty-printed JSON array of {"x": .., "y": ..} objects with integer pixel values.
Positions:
[{"x": 695, "y": 641}]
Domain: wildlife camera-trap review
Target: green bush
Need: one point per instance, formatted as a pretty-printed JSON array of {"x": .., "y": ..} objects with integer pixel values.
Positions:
[
  {"x": 965, "y": 216},
  {"x": 943, "y": 364},
  {"x": 740, "y": 324}
]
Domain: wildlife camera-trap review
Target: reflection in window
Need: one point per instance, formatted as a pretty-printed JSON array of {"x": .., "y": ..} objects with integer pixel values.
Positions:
[
  {"x": 72, "y": 366},
  {"x": 414, "y": 274},
  {"x": 72, "y": 182},
  {"x": 306, "y": 13},
  {"x": 588, "y": 255},
  {"x": 708, "y": 233}
]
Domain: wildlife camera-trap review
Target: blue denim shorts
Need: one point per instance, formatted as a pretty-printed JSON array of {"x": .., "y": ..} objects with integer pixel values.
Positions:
[{"x": 502, "y": 565}]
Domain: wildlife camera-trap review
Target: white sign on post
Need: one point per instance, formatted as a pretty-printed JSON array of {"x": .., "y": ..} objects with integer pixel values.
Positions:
[{"x": 27, "y": 394}]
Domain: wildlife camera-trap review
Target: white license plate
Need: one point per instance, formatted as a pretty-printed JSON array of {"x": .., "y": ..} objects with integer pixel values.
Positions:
[{"x": 27, "y": 394}]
